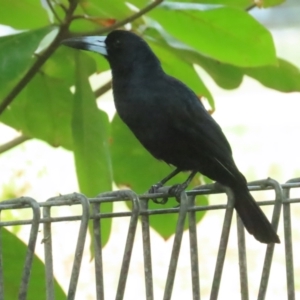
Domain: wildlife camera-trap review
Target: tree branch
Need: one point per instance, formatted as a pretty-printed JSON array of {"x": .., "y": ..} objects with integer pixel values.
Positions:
[
  {"x": 103, "y": 89},
  {"x": 250, "y": 7},
  {"x": 13, "y": 143},
  {"x": 41, "y": 59},
  {"x": 122, "y": 22}
]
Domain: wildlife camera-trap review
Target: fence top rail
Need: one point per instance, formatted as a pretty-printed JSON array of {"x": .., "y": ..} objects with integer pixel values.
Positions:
[{"x": 127, "y": 195}]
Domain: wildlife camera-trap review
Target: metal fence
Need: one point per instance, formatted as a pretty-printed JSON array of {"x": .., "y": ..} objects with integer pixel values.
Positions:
[{"x": 91, "y": 210}]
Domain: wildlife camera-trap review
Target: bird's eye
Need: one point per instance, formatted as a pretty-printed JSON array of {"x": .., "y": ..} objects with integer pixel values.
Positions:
[{"x": 117, "y": 43}]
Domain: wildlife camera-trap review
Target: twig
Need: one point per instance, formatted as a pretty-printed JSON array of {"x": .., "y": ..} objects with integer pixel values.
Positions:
[
  {"x": 250, "y": 7},
  {"x": 13, "y": 143},
  {"x": 103, "y": 89},
  {"x": 42, "y": 58},
  {"x": 53, "y": 11},
  {"x": 122, "y": 22},
  {"x": 85, "y": 17}
]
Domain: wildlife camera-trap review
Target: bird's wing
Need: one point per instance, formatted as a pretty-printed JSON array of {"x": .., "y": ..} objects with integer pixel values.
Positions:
[{"x": 199, "y": 129}]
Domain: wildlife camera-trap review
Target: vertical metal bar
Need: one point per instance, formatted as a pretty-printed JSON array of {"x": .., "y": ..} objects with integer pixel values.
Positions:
[
  {"x": 270, "y": 248},
  {"x": 31, "y": 246},
  {"x": 98, "y": 253},
  {"x": 80, "y": 243},
  {"x": 289, "y": 259},
  {"x": 1, "y": 264},
  {"x": 147, "y": 252},
  {"x": 31, "y": 242},
  {"x": 176, "y": 246},
  {"x": 223, "y": 245},
  {"x": 47, "y": 240},
  {"x": 194, "y": 250},
  {"x": 129, "y": 242},
  {"x": 242, "y": 259}
]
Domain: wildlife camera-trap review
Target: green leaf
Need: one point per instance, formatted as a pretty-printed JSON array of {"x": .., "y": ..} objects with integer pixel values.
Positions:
[
  {"x": 99, "y": 14},
  {"x": 102, "y": 64},
  {"x": 61, "y": 65},
  {"x": 178, "y": 67},
  {"x": 43, "y": 110},
  {"x": 115, "y": 9},
  {"x": 235, "y": 3},
  {"x": 16, "y": 56},
  {"x": 137, "y": 169},
  {"x": 83, "y": 24},
  {"x": 226, "y": 34},
  {"x": 90, "y": 128},
  {"x": 17, "y": 50},
  {"x": 285, "y": 77},
  {"x": 225, "y": 75},
  {"x": 25, "y": 14},
  {"x": 13, "y": 254}
]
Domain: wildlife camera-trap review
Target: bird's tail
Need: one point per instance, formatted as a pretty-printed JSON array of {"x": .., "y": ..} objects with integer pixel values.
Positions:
[{"x": 252, "y": 216}]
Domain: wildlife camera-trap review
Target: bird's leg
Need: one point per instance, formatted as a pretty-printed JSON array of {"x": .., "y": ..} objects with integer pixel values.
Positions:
[
  {"x": 154, "y": 188},
  {"x": 177, "y": 189},
  {"x": 161, "y": 183}
]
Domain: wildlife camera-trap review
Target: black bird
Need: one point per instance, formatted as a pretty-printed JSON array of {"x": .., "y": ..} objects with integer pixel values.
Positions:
[{"x": 171, "y": 123}]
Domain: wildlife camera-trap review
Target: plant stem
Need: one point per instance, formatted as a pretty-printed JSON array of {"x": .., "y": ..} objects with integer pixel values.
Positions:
[
  {"x": 122, "y": 22},
  {"x": 53, "y": 11},
  {"x": 103, "y": 89},
  {"x": 13, "y": 143}
]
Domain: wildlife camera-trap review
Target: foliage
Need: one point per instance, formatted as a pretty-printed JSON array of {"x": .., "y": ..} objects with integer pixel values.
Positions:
[
  {"x": 218, "y": 35},
  {"x": 13, "y": 263}
]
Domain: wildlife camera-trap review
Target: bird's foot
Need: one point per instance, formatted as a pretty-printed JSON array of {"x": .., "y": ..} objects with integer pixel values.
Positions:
[
  {"x": 176, "y": 190},
  {"x": 155, "y": 189}
]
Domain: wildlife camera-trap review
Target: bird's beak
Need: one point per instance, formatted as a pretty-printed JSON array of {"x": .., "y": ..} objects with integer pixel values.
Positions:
[{"x": 91, "y": 43}]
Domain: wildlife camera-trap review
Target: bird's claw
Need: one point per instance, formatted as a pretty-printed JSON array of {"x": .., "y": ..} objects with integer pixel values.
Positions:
[
  {"x": 154, "y": 189},
  {"x": 176, "y": 191},
  {"x": 160, "y": 201}
]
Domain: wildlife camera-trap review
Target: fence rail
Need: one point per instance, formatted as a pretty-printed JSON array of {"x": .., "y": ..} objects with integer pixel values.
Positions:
[{"x": 91, "y": 210}]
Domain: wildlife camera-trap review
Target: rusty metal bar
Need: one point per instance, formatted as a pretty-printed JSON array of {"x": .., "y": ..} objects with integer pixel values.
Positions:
[
  {"x": 223, "y": 245},
  {"x": 242, "y": 259},
  {"x": 80, "y": 243},
  {"x": 194, "y": 249},
  {"x": 270, "y": 247},
  {"x": 176, "y": 246},
  {"x": 289, "y": 257},
  {"x": 1, "y": 267},
  {"x": 127, "y": 194},
  {"x": 147, "y": 252},
  {"x": 31, "y": 242},
  {"x": 47, "y": 241},
  {"x": 98, "y": 253}
]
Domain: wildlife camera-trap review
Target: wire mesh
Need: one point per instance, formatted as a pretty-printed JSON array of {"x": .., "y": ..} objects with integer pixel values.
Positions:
[{"x": 91, "y": 210}]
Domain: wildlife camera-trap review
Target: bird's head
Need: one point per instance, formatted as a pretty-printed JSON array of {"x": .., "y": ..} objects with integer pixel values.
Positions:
[{"x": 121, "y": 48}]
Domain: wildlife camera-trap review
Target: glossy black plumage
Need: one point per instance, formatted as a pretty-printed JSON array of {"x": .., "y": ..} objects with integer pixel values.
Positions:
[{"x": 171, "y": 123}]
